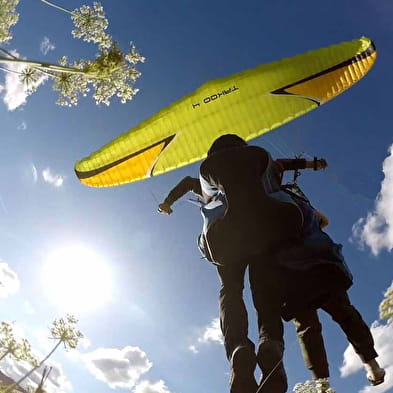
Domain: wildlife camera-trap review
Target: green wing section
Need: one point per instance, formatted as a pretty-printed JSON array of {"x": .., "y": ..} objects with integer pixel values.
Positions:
[{"x": 248, "y": 104}]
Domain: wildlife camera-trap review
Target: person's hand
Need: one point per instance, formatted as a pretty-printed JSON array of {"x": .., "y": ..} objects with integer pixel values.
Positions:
[
  {"x": 164, "y": 208},
  {"x": 323, "y": 220},
  {"x": 320, "y": 163}
]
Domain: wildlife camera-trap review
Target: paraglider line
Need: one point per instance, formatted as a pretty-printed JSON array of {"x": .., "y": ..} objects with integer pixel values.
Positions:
[{"x": 279, "y": 362}]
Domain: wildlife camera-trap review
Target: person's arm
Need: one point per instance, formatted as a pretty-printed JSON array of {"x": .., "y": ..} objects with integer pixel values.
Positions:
[
  {"x": 291, "y": 164},
  {"x": 185, "y": 185}
]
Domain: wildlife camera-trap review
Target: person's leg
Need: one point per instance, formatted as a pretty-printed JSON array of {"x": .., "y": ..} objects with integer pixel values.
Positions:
[
  {"x": 266, "y": 294},
  {"x": 309, "y": 332},
  {"x": 239, "y": 349},
  {"x": 357, "y": 332}
]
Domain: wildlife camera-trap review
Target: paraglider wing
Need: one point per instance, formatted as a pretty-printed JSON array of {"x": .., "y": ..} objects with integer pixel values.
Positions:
[{"x": 248, "y": 104}]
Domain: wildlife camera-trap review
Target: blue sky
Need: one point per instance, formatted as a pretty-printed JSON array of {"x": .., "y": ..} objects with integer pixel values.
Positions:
[{"x": 155, "y": 323}]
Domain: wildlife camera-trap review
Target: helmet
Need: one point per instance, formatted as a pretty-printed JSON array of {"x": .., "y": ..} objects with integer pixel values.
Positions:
[{"x": 226, "y": 141}]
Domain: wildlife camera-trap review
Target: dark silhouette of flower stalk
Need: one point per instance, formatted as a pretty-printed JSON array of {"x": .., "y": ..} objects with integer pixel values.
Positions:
[
  {"x": 112, "y": 73},
  {"x": 64, "y": 331},
  {"x": 40, "y": 388}
]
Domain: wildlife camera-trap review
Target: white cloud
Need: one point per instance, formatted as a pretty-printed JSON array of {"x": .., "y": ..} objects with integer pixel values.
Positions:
[
  {"x": 57, "y": 382},
  {"x": 14, "y": 92},
  {"x": 49, "y": 177},
  {"x": 118, "y": 368},
  {"x": 209, "y": 334},
  {"x": 382, "y": 334},
  {"x": 22, "y": 126},
  {"x": 193, "y": 349},
  {"x": 46, "y": 46},
  {"x": 150, "y": 387},
  {"x": 9, "y": 281},
  {"x": 212, "y": 333},
  {"x": 376, "y": 230}
]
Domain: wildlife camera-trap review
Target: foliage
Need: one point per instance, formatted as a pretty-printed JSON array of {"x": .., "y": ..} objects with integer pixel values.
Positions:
[
  {"x": 90, "y": 25},
  {"x": 386, "y": 307},
  {"x": 63, "y": 330},
  {"x": 17, "y": 349},
  {"x": 111, "y": 73},
  {"x": 8, "y": 18},
  {"x": 317, "y": 386}
]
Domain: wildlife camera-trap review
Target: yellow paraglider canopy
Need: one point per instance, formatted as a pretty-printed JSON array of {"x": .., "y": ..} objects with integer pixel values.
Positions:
[{"x": 248, "y": 104}]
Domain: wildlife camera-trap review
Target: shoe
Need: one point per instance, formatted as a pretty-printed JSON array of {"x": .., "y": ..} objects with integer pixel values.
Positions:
[
  {"x": 274, "y": 379},
  {"x": 375, "y": 374},
  {"x": 243, "y": 363},
  {"x": 376, "y": 378}
]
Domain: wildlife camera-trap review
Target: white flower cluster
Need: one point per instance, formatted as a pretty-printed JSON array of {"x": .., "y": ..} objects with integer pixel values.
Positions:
[
  {"x": 70, "y": 85},
  {"x": 29, "y": 77},
  {"x": 90, "y": 25},
  {"x": 111, "y": 74},
  {"x": 117, "y": 75},
  {"x": 317, "y": 386},
  {"x": 8, "y": 18},
  {"x": 386, "y": 307}
]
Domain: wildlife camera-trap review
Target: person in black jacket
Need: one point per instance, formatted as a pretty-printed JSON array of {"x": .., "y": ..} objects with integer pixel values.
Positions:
[
  {"x": 247, "y": 218},
  {"x": 313, "y": 244},
  {"x": 317, "y": 277}
]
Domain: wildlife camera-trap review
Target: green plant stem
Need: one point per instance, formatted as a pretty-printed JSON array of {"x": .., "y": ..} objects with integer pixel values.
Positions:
[
  {"x": 43, "y": 66},
  {"x": 56, "y": 6},
  {"x": 4, "y": 354},
  {"x": 7, "y": 53},
  {"x": 17, "y": 383},
  {"x": 16, "y": 72}
]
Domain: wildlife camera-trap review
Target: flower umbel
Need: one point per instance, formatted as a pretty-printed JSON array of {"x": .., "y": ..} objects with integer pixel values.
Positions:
[
  {"x": 70, "y": 86},
  {"x": 64, "y": 329},
  {"x": 29, "y": 77},
  {"x": 111, "y": 74},
  {"x": 90, "y": 25},
  {"x": 18, "y": 349}
]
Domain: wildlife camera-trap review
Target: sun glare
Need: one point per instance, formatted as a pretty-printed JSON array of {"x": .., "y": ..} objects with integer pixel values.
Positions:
[{"x": 76, "y": 279}]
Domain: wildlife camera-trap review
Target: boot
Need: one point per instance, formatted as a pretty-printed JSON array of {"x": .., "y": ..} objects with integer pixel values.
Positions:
[
  {"x": 270, "y": 360},
  {"x": 375, "y": 374},
  {"x": 243, "y": 363}
]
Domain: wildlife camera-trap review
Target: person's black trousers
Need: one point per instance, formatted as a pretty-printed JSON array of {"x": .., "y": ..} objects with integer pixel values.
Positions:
[
  {"x": 266, "y": 293},
  {"x": 341, "y": 310}
]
